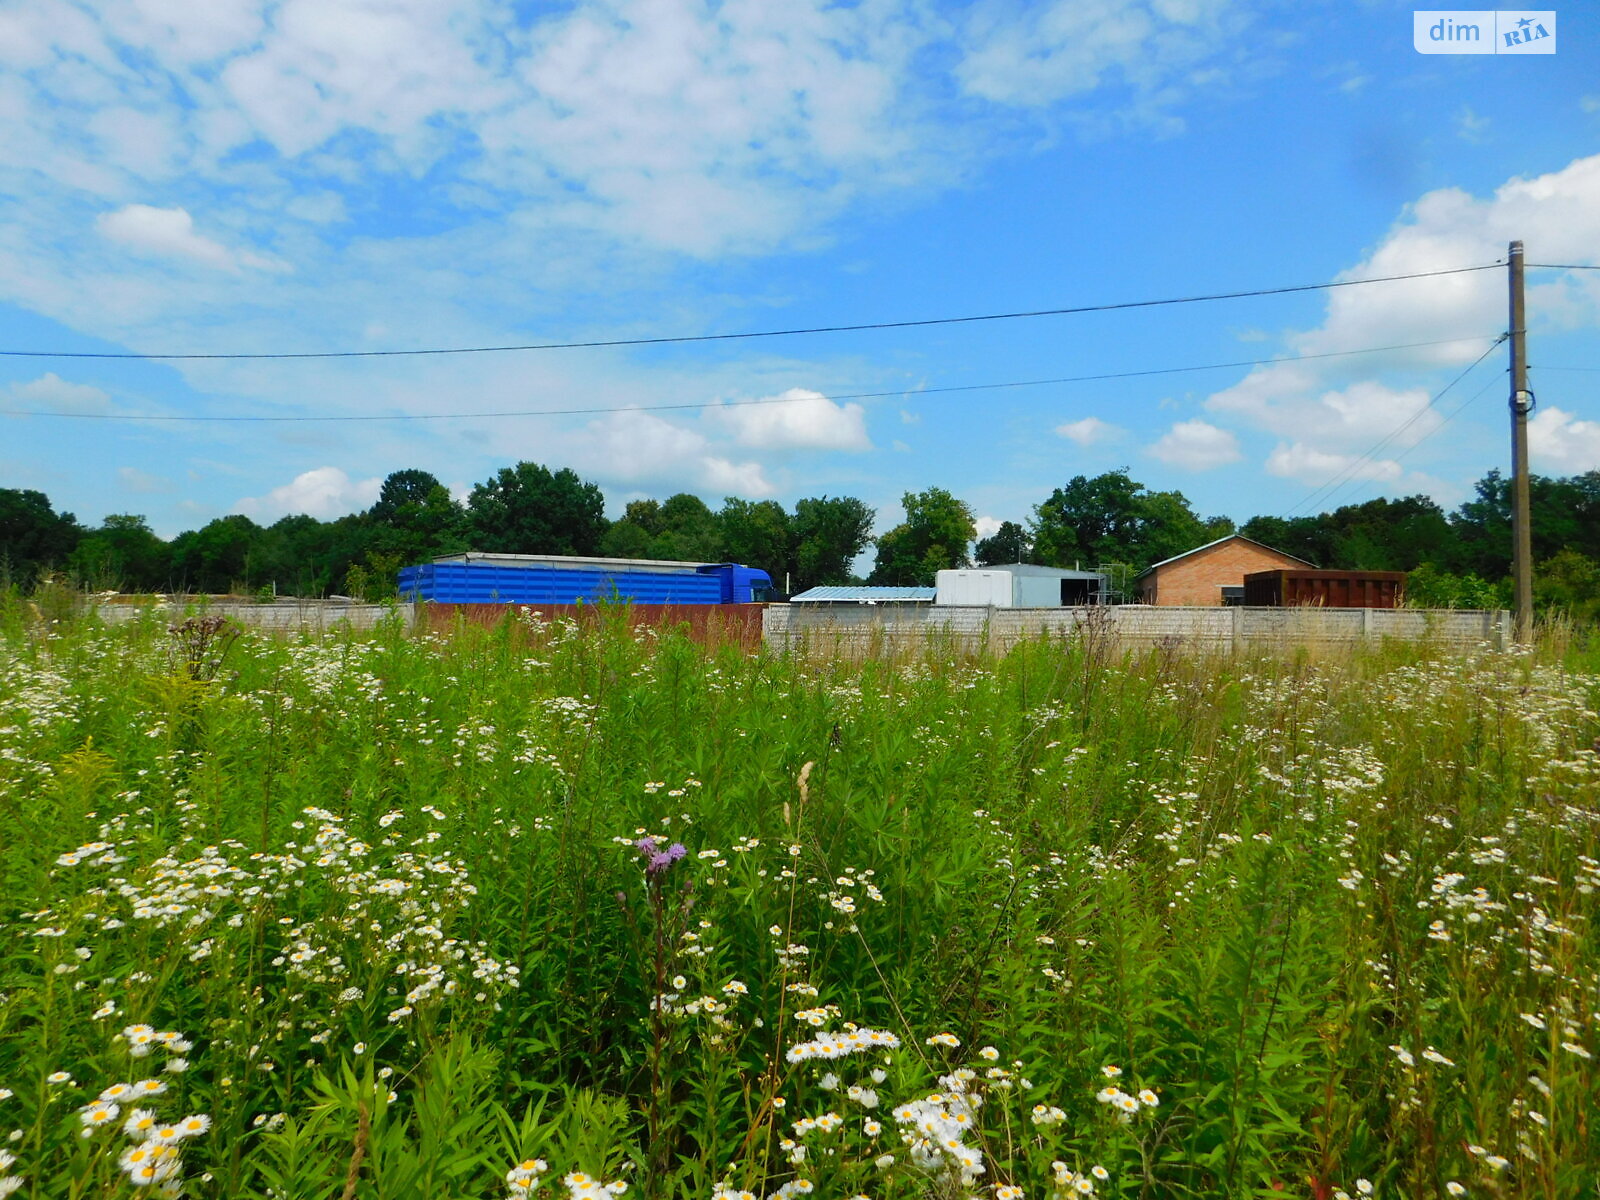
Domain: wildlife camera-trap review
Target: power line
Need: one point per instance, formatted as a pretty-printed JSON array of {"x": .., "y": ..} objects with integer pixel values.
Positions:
[
  {"x": 1450, "y": 416},
  {"x": 909, "y": 392},
  {"x": 1412, "y": 420},
  {"x": 1566, "y": 266},
  {"x": 1537, "y": 367},
  {"x": 765, "y": 333}
]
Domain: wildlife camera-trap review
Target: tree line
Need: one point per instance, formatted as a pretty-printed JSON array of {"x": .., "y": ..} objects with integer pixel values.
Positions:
[
  {"x": 524, "y": 509},
  {"x": 1458, "y": 558}
]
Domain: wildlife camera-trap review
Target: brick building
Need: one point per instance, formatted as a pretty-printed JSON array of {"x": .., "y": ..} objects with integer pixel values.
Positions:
[{"x": 1211, "y": 574}]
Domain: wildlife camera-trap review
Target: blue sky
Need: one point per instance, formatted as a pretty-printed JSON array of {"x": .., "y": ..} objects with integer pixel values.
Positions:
[{"x": 315, "y": 175}]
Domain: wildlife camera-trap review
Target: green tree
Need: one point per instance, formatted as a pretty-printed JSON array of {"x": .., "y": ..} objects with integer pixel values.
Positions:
[
  {"x": 123, "y": 554},
  {"x": 1111, "y": 518},
  {"x": 1310, "y": 538},
  {"x": 528, "y": 509},
  {"x": 935, "y": 536},
  {"x": 1008, "y": 544},
  {"x": 416, "y": 519},
  {"x": 1378, "y": 535},
  {"x": 215, "y": 557},
  {"x": 1568, "y": 583},
  {"x": 33, "y": 536},
  {"x": 646, "y": 514},
  {"x": 829, "y": 533},
  {"x": 624, "y": 539},
  {"x": 299, "y": 555},
  {"x": 1432, "y": 587},
  {"x": 1565, "y": 515},
  {"x": 689, "y": 530},
  {"x": 756, "y": 533}
]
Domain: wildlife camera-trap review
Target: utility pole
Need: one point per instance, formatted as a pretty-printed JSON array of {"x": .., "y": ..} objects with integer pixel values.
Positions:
[{"x": 1521, "y": 405}]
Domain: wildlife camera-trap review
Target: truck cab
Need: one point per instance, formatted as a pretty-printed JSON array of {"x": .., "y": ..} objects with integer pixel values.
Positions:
[{"x": 740, "y": 585}]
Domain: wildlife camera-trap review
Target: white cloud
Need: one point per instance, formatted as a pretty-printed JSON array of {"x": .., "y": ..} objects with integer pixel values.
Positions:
[
  {"x": 1338, "y": 405},
  {"x": 987, "y": 527},
  {"x": 1032, "y": 54},
  {"x": 1312, "y": 466},
  {"x": 1196, "y": 446},
  {"x": 694, "y": 127},
  {"x": 170, "y": 233},
  {"x": 1559, "y": 442},
  {"x": 734, "y": 479},
  {"x": 636, "y": 447},
  {"x": 51, "y": 393},
  {"x": 324, "y": 493},
  {"x": 1356, "y": 415},
  {"x": 135, "y": 480},
  {"x": 796, "y": 420},
  {"x": 1088, "y": 432}
]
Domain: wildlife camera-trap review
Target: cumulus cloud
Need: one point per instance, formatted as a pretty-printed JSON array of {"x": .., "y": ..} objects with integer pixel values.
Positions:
[
  {"x": 324, "y": 493},
  {"x": 170, "y": 233},
  {"x": 1296, "y": 460},
  {"x": 1561, "y": 443},
  {"x": 636, "y": 447},
  {"x": 1358, "y": 414},
  {"x": 51, "y": 393},
  {"x": 1333, "y": 406},
  {"x": 987, "y": 527},
  {"x": 1196, "y": 446},
  {"x": 1088, "y": 432},
  {"x": 796, "y": 420}
]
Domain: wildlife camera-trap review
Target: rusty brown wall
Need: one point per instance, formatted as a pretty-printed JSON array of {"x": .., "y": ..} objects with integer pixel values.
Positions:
[{"x": 710, "y": 624}]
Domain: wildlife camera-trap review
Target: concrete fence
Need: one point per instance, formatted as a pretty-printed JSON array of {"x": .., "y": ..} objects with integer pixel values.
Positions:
[{"x": 864, "y": 629}]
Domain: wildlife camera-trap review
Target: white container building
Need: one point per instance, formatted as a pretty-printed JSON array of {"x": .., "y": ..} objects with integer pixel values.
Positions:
[{"x": 1018, "y": 585}]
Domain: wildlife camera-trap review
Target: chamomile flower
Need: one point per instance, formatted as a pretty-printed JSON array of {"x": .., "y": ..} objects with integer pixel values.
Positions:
[
  {"x": 141, "y": 1123},
  {"x": 98, "y": 1114}
]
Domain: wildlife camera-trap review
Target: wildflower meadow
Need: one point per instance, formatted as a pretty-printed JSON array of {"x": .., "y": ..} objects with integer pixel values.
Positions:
[{"x": 567, "y": 910}]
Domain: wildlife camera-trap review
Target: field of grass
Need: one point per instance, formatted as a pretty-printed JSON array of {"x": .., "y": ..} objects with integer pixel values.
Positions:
[{"x": 546, "y": 911}]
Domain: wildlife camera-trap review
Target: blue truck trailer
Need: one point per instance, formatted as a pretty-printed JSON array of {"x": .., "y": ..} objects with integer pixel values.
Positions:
[{"x": 551, "y": 579}]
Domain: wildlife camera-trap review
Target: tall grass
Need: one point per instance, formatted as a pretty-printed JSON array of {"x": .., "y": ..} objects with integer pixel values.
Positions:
[{"x": 395, "y": 915}]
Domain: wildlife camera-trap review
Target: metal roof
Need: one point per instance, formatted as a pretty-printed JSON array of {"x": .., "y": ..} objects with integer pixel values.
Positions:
[
  {"x": 866, "y": 595},
  {"x": 1232, "y": 537},
  {"x": 1038, "y": 571},
  {"x": 572, "y": 562}
]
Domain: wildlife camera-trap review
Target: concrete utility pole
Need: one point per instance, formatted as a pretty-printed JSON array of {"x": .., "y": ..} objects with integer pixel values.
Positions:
[{"x": 1521, "y": 406}]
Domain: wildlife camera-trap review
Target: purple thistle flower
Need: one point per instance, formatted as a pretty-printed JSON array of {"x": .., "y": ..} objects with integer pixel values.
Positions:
[
  {"x": 645, "y": 845},
  {"x": 675, "y": 852},
  {"x": 658, "y": 863}
]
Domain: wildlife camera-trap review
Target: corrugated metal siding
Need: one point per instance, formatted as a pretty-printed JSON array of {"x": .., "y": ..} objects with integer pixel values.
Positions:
[
  {"x": 709, "y": 624},
  {"x": 478, "y": 583},
  {"x": 860, "y": 595},
  {"x": 1325, "y": 589}
]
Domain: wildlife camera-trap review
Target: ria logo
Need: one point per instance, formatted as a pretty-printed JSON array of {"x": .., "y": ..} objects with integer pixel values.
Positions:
[{"x": 1484, "y": 31}]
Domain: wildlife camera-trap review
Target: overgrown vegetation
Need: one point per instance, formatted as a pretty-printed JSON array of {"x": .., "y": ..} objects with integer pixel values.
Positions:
[{"x": 545, "y": 910}]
